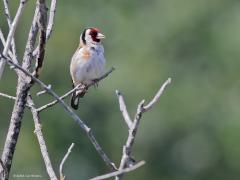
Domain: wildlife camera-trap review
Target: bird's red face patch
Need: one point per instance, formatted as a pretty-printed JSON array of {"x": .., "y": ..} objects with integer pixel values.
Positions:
[{"x": 93, "y": 33}]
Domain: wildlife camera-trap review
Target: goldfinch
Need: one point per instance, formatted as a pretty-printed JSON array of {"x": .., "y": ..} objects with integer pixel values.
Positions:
[{"x": 88, "y": 61}]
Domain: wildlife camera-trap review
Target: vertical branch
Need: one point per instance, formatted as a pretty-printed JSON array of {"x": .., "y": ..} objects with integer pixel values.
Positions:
[
  {"x": 41, "y": 140},
  {"x": 11, "y": 34},
  {"x": 9, "y": 20},
  {"x": 42, "y": 38},
  {"x": 126, "y": 159},
  {"x": 23, "y": 87},
  {"x": 4, "y": 44},
  {"x": 50, "y": 24},
  {"x": 51, "y": 18},
  {"x": 127, "y": 148}
]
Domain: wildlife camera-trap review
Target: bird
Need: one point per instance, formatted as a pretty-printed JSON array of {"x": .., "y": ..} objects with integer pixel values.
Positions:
[{"x": 87, "y": 63}]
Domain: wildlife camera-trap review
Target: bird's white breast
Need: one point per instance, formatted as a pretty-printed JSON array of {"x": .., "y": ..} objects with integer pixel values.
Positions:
[{"x": 88, "y": 69}]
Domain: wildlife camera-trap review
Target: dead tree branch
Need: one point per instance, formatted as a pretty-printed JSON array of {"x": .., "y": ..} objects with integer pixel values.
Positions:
[
  {"x": 41, "y": 141},
  {"x": 127, "y": 159},
  {"x": 39, "y": 134},
  {"x": 7, "y": 96},
  {"x": 3, "y": 169},
  {"x": 50, "y": 24},
  {"x": 9, "y": 20},
  {"x": 51, "y": 18},
  {"x": 24, "y": 84},
  {"x": 123, "y": 109},
  {"x": 116, "y": 173},
  {"x": 62, "y": 177},
  {"x": 42, "y": 19},
  {"x": 4, "y": 44},
  {"x": 156, "y": 98},
  {"x": 11, "y": 34}
]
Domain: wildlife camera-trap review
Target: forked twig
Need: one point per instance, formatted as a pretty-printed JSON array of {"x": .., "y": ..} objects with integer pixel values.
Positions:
[
  {"x": 11, "y": 34},
  {"x": 62, "y": 177},
  {"x": 127, "y": 148}
]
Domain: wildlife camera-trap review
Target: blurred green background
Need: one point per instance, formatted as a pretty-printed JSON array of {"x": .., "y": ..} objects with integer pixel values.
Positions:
[{"x": 191, "y": 134}]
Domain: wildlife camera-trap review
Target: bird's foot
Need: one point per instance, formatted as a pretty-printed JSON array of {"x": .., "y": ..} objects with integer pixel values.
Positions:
[{"x": 95, "y": 83}]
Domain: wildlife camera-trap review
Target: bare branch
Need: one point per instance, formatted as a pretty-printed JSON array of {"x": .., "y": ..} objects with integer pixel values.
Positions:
[
  {"x": 62, "y": 177},
  {"x": 23, "y": 88},
  {"x": 127, "y": 148},
  {"x": 7, "y": 12},
  {"x": 157, "y": 96},
  {"x": 11, "y": 34},
  {"x": 3, "y": 169},
  {"x": 56, "y": 101},
  {"x": 77, "y": 87},
  {"x": 42, "y": 38},
  {"x": 116, "y": 173},
  {"x": 70, "y": 112},
  {"x": 50, "y": 24},
  {"x": 123, "y": 109},
  {"x": 11, "y": 97},
  {"x": 8, "y": 15},
  {"x": 44, "y": 91},
  {"x": 4, "y": 44},
  {"x": 51, "y": 18},
  {"x": 7, "y": 96},
  {"x": 41, "y": 141}
]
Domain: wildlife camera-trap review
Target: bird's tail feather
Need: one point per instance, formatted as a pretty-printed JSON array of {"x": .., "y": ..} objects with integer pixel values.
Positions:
[{"x": 75, "y": 99}]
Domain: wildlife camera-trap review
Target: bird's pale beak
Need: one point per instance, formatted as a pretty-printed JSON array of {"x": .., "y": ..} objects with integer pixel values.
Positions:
[{"x": 100, "y": 36}]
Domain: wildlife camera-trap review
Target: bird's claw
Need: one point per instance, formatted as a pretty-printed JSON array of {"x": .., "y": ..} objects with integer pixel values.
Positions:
[{"x": 95, "y": 83}]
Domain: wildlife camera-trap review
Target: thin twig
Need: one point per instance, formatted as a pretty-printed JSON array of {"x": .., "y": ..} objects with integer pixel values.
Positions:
[
  {"x": 41, "y": 141},
  {"x": 123, "y": 109},
  {"x": 77, "y": 87},
  {"x": 70, "y": 112},
  {"x": 4, "y": 44},
  {"x": 11, "y": 34},
  {"x": 11, "y": 97},
  {"x": 44, "y": 91},
  {"x": 62, "y": 177},
  {"x": 157, "y": 96},
  {"x": 116, "y": 173},
  {"x": 127, "y": 148},
  {"x": 56, "y": 101},
  {"x": 7, "y": 96}
]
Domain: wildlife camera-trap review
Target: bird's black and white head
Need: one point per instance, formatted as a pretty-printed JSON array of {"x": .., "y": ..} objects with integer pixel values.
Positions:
[{"x": 91, "y": 37}]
